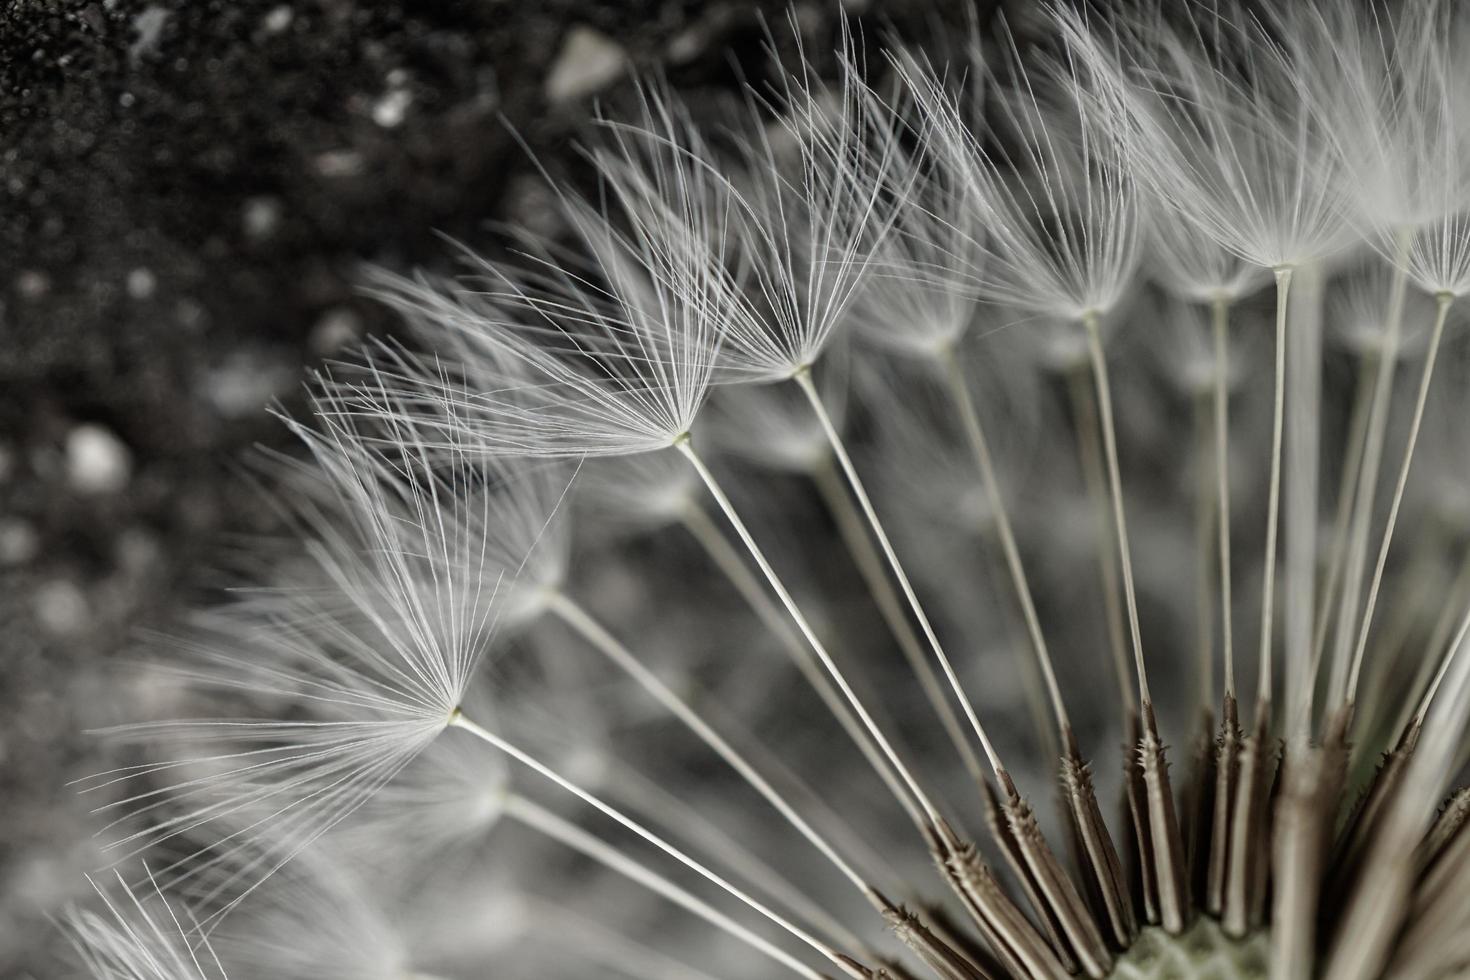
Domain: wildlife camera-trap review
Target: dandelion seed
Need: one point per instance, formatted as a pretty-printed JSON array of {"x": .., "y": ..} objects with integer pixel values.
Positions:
[
  {"x": 612, "y": 360},
  {"x": 320, "y": 918},
  {"x": 813, "y": 220},
  {"x": 377, "y": 654},
  {"x": 140, "y": 939}
]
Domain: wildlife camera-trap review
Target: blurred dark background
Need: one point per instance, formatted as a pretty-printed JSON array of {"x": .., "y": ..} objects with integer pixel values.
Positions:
[{"x": 190, "y": 189}]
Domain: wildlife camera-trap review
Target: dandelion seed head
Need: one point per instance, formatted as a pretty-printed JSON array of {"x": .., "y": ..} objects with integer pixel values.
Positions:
[
  {"x": 1358, "y": 314},
  {"x": 1437, "y": 258},
  {"x": 813, "y": 219},
  {"x": 139, "y": 937},
  {"x": 374, "y": 653},
  {"x": 969, "y": 394},
  {"x": 1186, "y": 349},
  {"x": 611, "y": 355},
  {"x": 1389, "y": 84},
  {"x": 1210, "y": 120},
  {"x": 920, "y": 298},
  {"x": 319, "y": 918},
  {"x": 640, "y": 494},
  {"x": 1060, "y": 210},
  {"x": 449, "y": 800},
  {"x": 1198, "y": 269},
  {"x": 772, "y": 425}
]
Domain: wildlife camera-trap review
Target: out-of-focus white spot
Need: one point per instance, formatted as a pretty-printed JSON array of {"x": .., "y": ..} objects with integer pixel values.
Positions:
[
  {"x": 392, "y": 107},
  {"x": 260, "y": 217},
  {"x": 687, "y": 45},
  {"x": 277, "y": 20},
  {"x": 96, "y": 460},
  {"x": 499, "y": 918},
  {"x": 61, "y": 608},
  {"x": 141, "y": 283},
  {"x": 127, "y": 100},
  {"x": 334, "y": 330},
  {"x": 19, "y": 541},
  {"x": 244, "y": 383},
  {"x": 32, "y": 284},
  {"x": 339, "y": 163},
  {"x": 585, "y": 765},
  {"x": 149, "y": 26},
  {"x": 589, "y": 60},
  {"x": 155, "y": 694}
]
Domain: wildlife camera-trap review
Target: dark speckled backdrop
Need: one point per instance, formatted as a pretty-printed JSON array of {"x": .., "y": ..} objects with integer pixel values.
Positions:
[{"x": 189, "y": 189}]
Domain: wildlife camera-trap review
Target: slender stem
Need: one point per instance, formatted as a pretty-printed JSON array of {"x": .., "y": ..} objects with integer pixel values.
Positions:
[
  {"x": 804, "y": 381},
  {"x": 959, "y": 392},
  {"x": 1115, "y": 486},
  {"x": 1346, "y": 494},
  {"x": 569, "y": 835},
  {"x": 1273, "y": 501},
  {"x": 1089, "y": 454},
  {"x": 1435, "y": 647},
  {"x": 1357, "y": 556},
  {"x": 838, "y": 830},
  {"x": 1444, "y": 669},
  {"x": 1300, "y": 504},
  {"x": 1387, "y": 658},
  {"x": 1220, "y": 309},
  {"x": 648, "y": 796},
  {"x": 686, "y": 447},
  {"x": 459, "y": 720},
  {"x": 729, "y": 562},
  {"x": 1443, "y": 302},
  {"x": 1204, "y": 526},
  {"x": 870, "y": 566},
  {"x": 569, "y": 612}
]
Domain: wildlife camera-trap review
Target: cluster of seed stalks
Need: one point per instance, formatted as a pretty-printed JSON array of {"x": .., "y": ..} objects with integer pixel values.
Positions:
[{"x": 1138, "y": 182}]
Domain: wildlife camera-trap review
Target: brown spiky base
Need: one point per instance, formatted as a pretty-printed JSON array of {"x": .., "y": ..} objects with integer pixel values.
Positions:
[{"x": 1291, "y": 872}]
